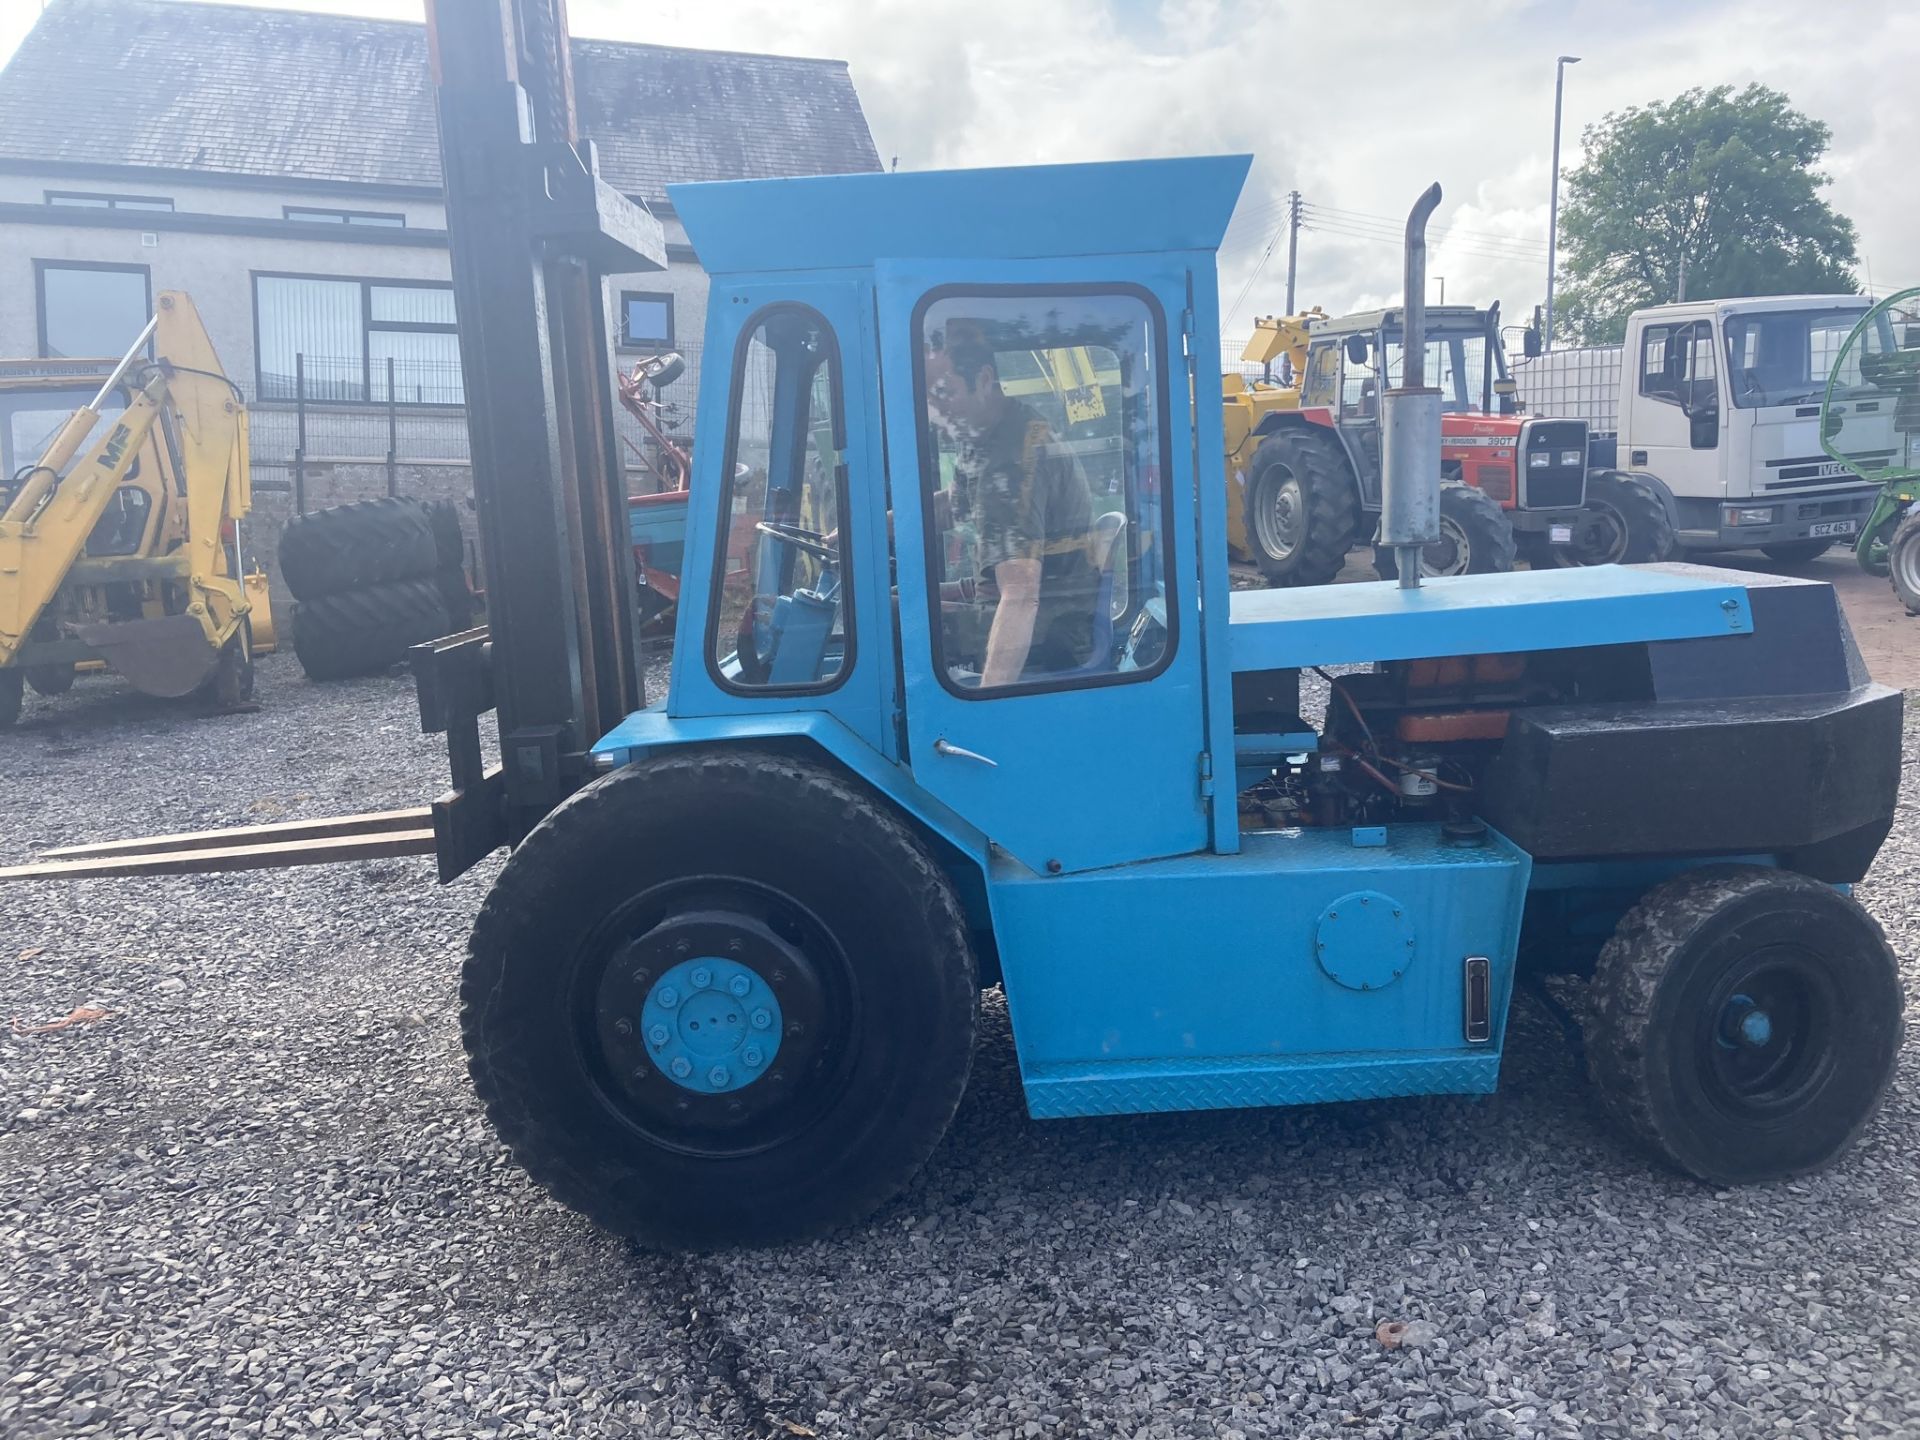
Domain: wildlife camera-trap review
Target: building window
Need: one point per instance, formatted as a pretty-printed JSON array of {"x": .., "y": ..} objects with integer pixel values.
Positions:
[
  {"x": 87, "y": 200},
  {"x": 332, "y": 339},
  {"x": 392, "y": 219},
  {"x": 91, "y": 309},
  {"x": 646, "y": 320}
]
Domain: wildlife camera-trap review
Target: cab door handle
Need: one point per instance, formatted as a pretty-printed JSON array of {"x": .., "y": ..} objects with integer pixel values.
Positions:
[{"x": 943, "y": 747}]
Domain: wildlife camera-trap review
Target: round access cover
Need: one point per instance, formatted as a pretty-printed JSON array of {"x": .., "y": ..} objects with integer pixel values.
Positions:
[{"x": 1364, "y": 940}]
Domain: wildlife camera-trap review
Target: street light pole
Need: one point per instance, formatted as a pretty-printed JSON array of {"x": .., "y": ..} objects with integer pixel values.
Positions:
[{"x": 1553, "y": 204}]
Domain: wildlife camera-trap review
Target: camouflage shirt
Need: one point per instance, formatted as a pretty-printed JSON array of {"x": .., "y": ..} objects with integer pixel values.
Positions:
[{"x": 1023, "y": 498}]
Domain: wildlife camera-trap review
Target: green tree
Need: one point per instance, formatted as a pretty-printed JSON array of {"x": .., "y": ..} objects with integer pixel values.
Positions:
[{"x": 1725, "y": 185}]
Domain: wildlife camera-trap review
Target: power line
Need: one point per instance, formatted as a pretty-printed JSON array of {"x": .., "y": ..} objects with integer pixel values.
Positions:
[
  {"x": 1398, "y": 237},
  {"x": 1398, "y": 241},
  {"x": 1365, "y": 217}
]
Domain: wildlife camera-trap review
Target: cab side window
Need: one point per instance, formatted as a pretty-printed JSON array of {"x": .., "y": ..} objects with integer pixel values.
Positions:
[
  {"x": 1042, "y": 423},
  {"x": 1323, "y": 366},
  {"x": 780, "y": 619}
]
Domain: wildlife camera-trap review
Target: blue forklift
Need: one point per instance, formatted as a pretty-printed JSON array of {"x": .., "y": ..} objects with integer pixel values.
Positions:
[{"x": 960, "y": 695}]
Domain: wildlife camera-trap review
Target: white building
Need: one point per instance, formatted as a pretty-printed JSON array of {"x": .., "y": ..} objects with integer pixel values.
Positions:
[{"x": 283, "y": 169}]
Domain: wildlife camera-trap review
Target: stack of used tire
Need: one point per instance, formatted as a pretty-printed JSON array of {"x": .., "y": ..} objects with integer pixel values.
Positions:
[{"x": 373, "y": 578}]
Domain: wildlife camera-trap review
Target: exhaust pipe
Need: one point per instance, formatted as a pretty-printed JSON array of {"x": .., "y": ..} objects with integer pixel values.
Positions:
[{"x": 1410, "y": 420}]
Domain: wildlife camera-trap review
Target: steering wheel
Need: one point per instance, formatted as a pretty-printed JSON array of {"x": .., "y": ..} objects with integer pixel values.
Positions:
[
  {"x": 755, "y": 668},
  {"x": 812, "y": 542}
]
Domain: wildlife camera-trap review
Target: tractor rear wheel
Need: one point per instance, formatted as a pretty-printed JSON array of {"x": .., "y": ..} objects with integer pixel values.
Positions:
[
  {"x": 1303, "y": 509},
  {"x": 1903, "y": 561},
  {"x": 12, "y": 693},
  {"x": 1476, "y": 538},
  {"x": 364, "y": 632},
  {"x": 348, "y": 547},
  {"x": 1745, "y": 1022},
  {"x": 1624, "y": 523},
  {"x": 721, "y": 997}
]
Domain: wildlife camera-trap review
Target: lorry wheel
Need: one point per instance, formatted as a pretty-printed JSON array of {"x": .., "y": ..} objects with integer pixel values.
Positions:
[
  {"x": 1624, "y": 523},
  {"x": 348, "y": 547},
  {"x": 1745, "y": 1022},
  {"x": 1303, "y": 511},
  {"x": 1476, "y": 538},
  {"x": 1796, "y": 552},
  {"x": 12, "y": 693},
  {"x": 1903, "y": 561},
  {"x": 51, "y": 680},
  {"x": 721, "y": 998}
]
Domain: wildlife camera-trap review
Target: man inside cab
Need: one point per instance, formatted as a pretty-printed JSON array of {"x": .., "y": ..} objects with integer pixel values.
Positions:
[{"x": 1026, "y": 610}]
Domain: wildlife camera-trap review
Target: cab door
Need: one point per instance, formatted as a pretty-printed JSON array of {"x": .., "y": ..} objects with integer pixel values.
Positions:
[{"x": 1040, "y": 457}]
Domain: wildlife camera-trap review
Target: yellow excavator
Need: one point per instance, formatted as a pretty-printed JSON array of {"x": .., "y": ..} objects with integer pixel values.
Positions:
[{"x": 119, "y": 521}]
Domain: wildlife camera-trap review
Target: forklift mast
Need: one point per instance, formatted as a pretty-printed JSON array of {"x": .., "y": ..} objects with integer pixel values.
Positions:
[{"x": 533, "y": 230}]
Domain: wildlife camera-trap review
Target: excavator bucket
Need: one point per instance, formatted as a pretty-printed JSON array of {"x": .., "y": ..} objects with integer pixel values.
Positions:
[
  {"x": 266, "y": 639},
  {"x": 167, "y": 655}
]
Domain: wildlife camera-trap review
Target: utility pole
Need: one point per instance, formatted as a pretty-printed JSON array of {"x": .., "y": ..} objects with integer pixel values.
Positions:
[
  {"x": 1681, "y": 293},
  {"x": 1553, "y": 204},
  {"x": 1293, "y": 243}
]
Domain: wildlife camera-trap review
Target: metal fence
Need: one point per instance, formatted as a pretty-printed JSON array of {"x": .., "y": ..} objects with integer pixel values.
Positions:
[{"x": 322, "y": 414}]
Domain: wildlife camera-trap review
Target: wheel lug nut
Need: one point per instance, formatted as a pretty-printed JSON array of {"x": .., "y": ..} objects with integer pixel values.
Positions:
[
  {"x": 659, "y": 1034},
  {"x": 718, "y": 1075},
  {"x": 762, "y": 1019},
  {"x": 739, "y": 985},
  {"x": 752, "y": 1057},
  {"x": 668, "y": 997},
  {"x": 701, "y": 978},
  {"x": 682, "y": 1067}
]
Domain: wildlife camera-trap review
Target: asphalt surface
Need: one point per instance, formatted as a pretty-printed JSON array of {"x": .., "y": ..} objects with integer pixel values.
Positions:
[{"x": 259, "y": 1199}]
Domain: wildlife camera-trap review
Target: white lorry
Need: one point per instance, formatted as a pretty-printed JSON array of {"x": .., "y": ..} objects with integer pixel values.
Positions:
[{"x": 1714, "y": 406}]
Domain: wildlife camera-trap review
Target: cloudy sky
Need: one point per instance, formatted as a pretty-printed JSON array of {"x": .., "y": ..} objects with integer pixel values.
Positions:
[{"x": 1356, "y": 105}]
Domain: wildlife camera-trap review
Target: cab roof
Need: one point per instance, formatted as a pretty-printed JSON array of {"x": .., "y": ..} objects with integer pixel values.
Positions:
[{"x": 1127, "y": 207}]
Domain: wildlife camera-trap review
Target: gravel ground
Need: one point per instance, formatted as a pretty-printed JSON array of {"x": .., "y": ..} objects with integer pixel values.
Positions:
[{"x": 259, "y": 1198}]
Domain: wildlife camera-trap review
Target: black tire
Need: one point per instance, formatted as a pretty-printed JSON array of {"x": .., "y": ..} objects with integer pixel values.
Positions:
[
  {"x": 449, "y": 544},
  {"x": 12, "y": 695},
  {"x": 51, "y": 680},
  {"x": 230, "y": 687},
  {"x": 1796, "y": 552},
  {"x": 1625, "y": 523},
  {"x": 1684, "y": 975},
  {"x": 830, "y": 901},
  {"x": 365, "y": 632},
  {"x": 1476, "y": 538},
  {"x": 349, "y": 547},
  {"x": 1303, "y": 508},
  {"x": 1903, "y": 561}
]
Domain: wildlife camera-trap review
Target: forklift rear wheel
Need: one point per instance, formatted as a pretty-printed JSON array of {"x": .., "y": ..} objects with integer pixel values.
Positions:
[
  {"x": 1302, "y": 508},
  {"x": 1745, "y": 1023},
  {"x": 12, "y": 692},
  {"x": 51, "y": 680},
  {"x": 721, "y": 998},
  {"x": 1476, "y": 538},
  {"x": 1903, "y": 561}
]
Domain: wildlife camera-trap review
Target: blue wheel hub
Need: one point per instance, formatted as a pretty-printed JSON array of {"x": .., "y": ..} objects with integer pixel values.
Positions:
[
  {"x": 1744, "y": 1024},
  {"x": 711, "y": 1025}
]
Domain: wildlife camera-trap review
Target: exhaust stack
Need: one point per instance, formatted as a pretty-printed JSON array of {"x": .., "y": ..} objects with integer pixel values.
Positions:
[{"x": 1410, "y": 419}]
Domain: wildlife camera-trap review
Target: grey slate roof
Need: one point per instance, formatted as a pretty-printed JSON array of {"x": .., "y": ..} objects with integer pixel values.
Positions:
[{"x": 227, "y": 89}]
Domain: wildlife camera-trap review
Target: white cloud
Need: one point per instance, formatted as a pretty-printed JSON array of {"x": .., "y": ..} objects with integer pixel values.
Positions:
[{"x": 1358, "y": 105}]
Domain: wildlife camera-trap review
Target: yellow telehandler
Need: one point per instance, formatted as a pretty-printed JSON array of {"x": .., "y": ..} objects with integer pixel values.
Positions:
[{"x": 119, "y": 521}]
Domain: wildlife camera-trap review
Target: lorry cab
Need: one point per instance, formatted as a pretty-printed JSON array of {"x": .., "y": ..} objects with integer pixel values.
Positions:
[{"x": 1719, "y": 404}]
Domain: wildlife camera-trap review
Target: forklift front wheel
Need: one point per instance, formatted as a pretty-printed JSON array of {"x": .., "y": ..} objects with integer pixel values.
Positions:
[
  {"x": 1745, "y": 1023},
  {"x": 721, "y": 997}
]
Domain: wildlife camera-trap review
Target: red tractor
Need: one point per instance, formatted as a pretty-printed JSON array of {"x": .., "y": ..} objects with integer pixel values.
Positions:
[{"x": 1309, "y": 472}]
